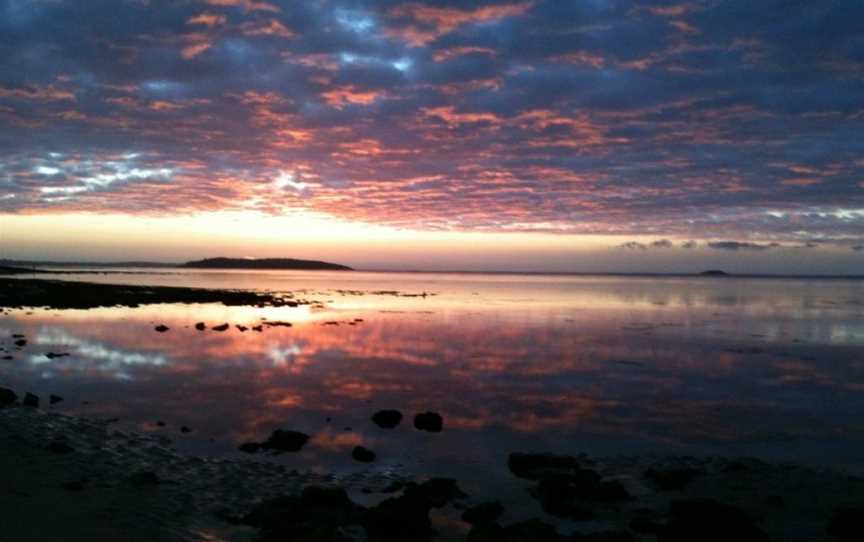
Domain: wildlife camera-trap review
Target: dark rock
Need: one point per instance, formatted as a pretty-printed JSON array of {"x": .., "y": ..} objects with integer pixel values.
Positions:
[
  {"x": 222, "y": 327},
  {"x": 241, "y": 328},
  {"x": 487, "y": 532},
  {"x": 575, "y": 495},
  {"x": 315, "y": 515},
  {"x": 185, "y": 429},
  {"x": 363, "y": 455},
  {"x": 436, "y": 492},
  {"x": 672, "y": 479},
  {"x": 200, "y": 326},
  {"x": 144, "y": 478},
  {"x": 278, "y": 324},
  {"x": 59, "y": 447},
  {"x": 558, "y": 497},
  {"x": 53, "y": 355},
  {"x": 429, "y": 421},
  {"x": 708, "y": 520},
  {"x": 7, "y": 397},
  {"x": 31, "y": 400},
  {"x": 845, "y": 524},
  {"x": 20, "y": 343},
  {"x": 259, "y": 329},
  {"x": 250, "y": 447},
  {"x": 532, "y": 530},
  {"x": 483, "y": 513},
  {"x": 160, "y": 423},
  {"x": 54, "y": 399},
  {"x": 535, "y": 466},
  {"x": 286, "y": 441},
  {"x": 387, "y": 419},
  {"x": 8, "y": 357},
  {"x": 398, "y": 519},
  {"x": 161, "y": 328}
]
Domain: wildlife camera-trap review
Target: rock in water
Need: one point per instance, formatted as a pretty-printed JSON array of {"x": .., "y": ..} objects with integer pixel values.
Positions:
[
  {"x": 363, "y": 455},
  {"x": 200, "y": 326},
  {"x": 222, "y": 327},
  {"x": 286, "y": 441},
  {"x": 387, "y": 419},
  {"x": 54, "y": 399},
  {"x": 429, "y": 421},
  {"x": 31, "y": 400},
  {"x": 7, "y": 397},
  {"x": 161, "y": 328}
]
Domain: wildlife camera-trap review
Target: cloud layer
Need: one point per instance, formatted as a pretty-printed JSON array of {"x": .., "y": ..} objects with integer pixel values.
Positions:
[{"x": 704, "y": 120}]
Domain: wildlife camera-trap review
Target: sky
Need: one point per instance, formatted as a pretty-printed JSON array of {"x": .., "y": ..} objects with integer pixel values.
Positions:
[{"x": 569, "y": 135}]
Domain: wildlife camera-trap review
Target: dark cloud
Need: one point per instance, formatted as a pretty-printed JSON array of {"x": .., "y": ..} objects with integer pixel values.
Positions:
[
  {"x": 666, "y": 119},
  {"x": 740, "y": 245}
]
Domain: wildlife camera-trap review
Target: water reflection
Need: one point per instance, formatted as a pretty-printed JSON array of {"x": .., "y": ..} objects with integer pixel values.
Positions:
[{"x": 627, "y": 371}]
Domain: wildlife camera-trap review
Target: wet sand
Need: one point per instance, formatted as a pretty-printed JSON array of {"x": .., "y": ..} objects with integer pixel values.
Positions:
[{"x": 69, "y": 478}]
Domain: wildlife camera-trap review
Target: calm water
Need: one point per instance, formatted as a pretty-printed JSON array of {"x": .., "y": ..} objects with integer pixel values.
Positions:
[{"x": 606, "y": 365}]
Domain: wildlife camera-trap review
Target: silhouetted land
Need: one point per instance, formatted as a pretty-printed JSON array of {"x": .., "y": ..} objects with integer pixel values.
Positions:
[
  {"x": 714, "y": 273},
  {"x": 58, "y": 294},
  {"x": 266, "y": 263}
]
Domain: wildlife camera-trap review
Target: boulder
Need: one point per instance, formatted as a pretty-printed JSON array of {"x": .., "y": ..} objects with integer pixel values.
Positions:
[
  {"x": 31, "y": 400},
  {"x": 429, "y": 421},
  {"x": 222, "y": 327},
  {"x": 483, "y": 513},
  {"x": 363, "y": 455},
  {"x": 387, "y": 419},
  {"x": 285, "y": 441},
  {"x": 7, "y": 397},
  {"x": 200, "y": 326},
  {"x": 161, "y": 328}
]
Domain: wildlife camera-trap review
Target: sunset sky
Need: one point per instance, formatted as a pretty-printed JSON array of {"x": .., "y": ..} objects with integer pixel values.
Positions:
[{"x": 581, "y": 135}]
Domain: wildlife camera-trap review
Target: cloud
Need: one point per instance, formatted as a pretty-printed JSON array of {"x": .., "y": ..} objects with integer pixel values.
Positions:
[
  {"x": 740, "y": 245},
  {"x": 661, "y": 243},
  {"x": 633, "y": 245},
  {"x": 566, "y": 117}
]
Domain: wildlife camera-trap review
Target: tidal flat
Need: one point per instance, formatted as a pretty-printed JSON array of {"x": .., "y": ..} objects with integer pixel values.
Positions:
[{"x": 568, "y": 408}]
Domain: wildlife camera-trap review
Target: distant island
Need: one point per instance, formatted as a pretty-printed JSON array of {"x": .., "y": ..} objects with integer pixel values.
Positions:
[
  {"x": 265, "y": 263},
  {"x": 714, "y": 273}
]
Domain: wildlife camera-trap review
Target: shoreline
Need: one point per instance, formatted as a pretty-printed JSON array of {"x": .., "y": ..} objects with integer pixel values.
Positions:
[
  {"x": 53, "y": 461},
  {"x": 61, "y": 294}
]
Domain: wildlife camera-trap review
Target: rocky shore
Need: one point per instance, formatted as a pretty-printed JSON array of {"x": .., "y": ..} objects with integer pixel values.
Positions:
[
  {"x": 57, "y": 294},
  {"x": 97, "y": 483}
]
